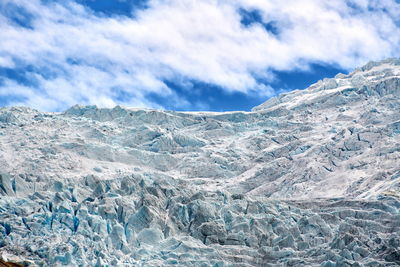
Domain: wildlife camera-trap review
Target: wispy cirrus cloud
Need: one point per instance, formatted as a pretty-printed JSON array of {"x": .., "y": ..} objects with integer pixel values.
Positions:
[{"x": 54, "y": 54}]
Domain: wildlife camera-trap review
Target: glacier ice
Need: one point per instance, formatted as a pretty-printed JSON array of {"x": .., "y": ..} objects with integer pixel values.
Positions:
[{"x": 308, "y": 178}]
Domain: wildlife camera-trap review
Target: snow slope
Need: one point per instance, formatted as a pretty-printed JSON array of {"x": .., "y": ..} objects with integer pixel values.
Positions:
[{"x": 308, "y": 178}]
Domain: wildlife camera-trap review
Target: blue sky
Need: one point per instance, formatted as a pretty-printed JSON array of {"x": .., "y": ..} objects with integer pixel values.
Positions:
[{"x": 216, "y": 55}]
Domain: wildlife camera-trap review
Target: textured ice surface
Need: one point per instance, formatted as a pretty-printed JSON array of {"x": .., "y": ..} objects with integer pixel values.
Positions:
[{"x": 309, "y": 178}]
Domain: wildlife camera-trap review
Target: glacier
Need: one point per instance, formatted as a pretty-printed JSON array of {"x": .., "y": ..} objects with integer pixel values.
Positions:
[{"x": 308, "y": 178}]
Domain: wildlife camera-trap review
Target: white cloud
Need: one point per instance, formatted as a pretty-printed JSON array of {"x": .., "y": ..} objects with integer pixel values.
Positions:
[{"x": 83, "y": 58}]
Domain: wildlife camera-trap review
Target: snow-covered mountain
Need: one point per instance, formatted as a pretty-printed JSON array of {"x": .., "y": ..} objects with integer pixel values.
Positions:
[{"x": 309, "y": 178}]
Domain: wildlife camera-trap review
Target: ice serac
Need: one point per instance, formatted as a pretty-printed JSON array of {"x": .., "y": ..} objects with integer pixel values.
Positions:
[{"x": 309, "y": 178}]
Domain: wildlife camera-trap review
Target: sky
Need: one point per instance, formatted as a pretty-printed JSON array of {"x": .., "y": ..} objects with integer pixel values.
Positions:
[{"x": 186, "y": 55}]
